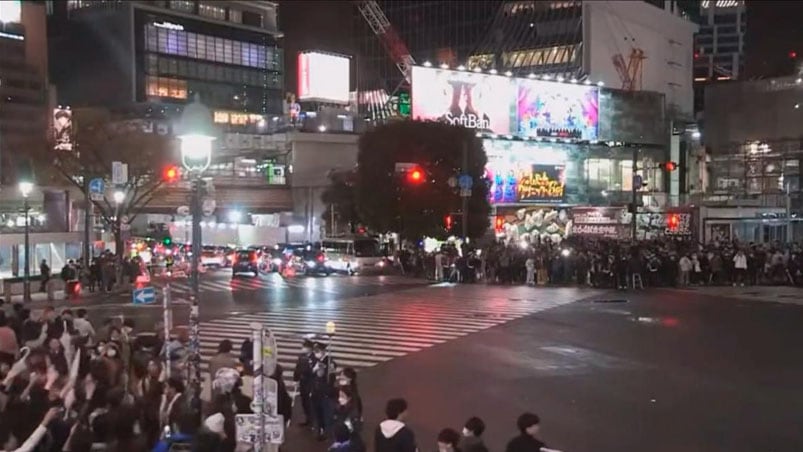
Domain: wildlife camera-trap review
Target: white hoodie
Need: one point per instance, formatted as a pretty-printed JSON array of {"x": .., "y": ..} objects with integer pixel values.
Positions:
[{"x": 390, "y": 427}]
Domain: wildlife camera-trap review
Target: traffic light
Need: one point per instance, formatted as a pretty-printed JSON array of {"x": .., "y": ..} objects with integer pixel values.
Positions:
[
  {"x": 447, "y": 222},
  {"x": 415, "y": 176},
  {"x": 170, "y": 174},
  {"x": 167, "y": 240},
  {"x": 673, "y": 222},
  {"x": 669, "y": 166}
]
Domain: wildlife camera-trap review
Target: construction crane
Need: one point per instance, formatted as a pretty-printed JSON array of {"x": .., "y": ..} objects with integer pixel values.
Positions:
[
  {"x": 382, "y": 28},
  {"x": 630, "y": 73}
]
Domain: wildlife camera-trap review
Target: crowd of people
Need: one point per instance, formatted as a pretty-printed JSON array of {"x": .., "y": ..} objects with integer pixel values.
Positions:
[
  {"x": 617, "y": 264},
  {"x": 103, "y": 274}
]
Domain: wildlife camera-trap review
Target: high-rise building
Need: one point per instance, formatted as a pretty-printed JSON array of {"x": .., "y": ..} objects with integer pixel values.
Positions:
[
  {"x": 719, "y": 45},
  {"x": 117, "y": 53},
  {"x": 624, "y": 44},
  {"x": 23, "y": 83}
]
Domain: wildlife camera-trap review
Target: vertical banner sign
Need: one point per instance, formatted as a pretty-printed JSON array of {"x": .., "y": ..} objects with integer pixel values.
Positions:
[
  {"x": 258, "y": 403},
  {"x": 62, "y": 129}
]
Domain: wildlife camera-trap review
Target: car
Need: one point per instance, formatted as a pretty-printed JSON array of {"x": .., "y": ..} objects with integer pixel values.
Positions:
[
  {"x": 315, "y": 263},
  {"x": 212, "y": 257},
  {"x": 245, "y": 261}
]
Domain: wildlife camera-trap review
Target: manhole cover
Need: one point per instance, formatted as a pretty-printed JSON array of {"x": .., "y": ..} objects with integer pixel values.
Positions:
[{"x": 616, "y": 300}]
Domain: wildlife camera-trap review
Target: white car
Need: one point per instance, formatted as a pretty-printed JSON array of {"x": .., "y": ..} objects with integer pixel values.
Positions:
[{"x": 211, "y": 258}]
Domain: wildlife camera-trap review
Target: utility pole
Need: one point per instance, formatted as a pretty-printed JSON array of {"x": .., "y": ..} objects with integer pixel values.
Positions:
[
  {"x": 465, "y": 193},
  {"x": 634, "y": 198},
  {"x": 789, "y": 235},
  {"x": 87, "y": 222}
]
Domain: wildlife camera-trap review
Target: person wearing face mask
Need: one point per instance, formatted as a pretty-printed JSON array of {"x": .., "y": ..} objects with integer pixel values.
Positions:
[
  {"x": 472, "y": 436},
  {"x": 346, "y": 413},
  {"x": 56, "y": 355},
  {"x": 447, "y": 440},
  {"x": 348, "y": 378},
  {"x": 322, "y": 370},
  {"x": 302, "y": 375}
]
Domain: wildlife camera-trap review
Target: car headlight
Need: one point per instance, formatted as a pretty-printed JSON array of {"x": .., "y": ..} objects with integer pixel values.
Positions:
[{"x": 310, "y": 263}]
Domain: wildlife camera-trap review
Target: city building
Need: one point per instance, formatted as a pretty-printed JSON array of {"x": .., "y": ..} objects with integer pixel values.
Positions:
[
  {"x": 625, "y": 44},
  {"x": 144, "y": 60},
  {"x": 720, "y": 44},
  {"x": 753, "y": 135}
]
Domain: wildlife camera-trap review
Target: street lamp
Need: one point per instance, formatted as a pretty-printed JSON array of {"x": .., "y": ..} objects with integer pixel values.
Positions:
[
  {"x": 25, "y": 188},
  {"x": 196, "y": 131},
  {"x": 119, "y": 197}
]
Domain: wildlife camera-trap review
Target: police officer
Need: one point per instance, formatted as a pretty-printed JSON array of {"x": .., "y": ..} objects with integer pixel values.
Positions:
[
  {"x": 323, "y": 375},
  {"x": 302, "y": 375}
]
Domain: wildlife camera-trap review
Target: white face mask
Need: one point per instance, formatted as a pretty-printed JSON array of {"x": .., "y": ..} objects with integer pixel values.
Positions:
[
  {"x": 342, "y": 400},
  {"x": 343, "y": 381},
  {"x": 319, "y": 355},
  {"x": 111, "y": 353},
  {"x": 466, "y": 432}
]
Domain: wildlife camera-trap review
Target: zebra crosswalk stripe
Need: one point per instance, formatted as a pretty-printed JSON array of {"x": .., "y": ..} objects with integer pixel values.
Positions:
[
  {"x": 370, "y": 333},
  {"x": 277, "y": 282}
]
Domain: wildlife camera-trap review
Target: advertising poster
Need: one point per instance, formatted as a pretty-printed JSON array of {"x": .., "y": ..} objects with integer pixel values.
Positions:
[
  {"x": 546, "y": 109},
  {"x": 476, "y": 101},
  {"x": 511, "y": 161},
  {"x": 323, "y": 77},
  {"x": 62, "y": 129},
  {"x": 545, "y": 184},
  {"x": 608, "y": 222}
]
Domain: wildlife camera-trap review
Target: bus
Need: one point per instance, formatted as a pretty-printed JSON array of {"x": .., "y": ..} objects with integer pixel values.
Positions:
[{"x": 352, "y": 256}]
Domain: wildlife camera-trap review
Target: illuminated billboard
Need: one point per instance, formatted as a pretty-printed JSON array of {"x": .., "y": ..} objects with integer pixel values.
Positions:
[
  {"x": 505, "y": 105},
  {"x": 10, "y": 11},
  {"x": 477, "y": 101},
  {"x": 62, "y": 129},
  {"x": 323, "y": 77},
  {"x": 525, "y": 172},
  {"x": 546, "y": 109}
]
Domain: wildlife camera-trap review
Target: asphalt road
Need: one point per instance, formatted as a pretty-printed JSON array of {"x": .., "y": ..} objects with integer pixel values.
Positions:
[{"x": 661, "y": 370}]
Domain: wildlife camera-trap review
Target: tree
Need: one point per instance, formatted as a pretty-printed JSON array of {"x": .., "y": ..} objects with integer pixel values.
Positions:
[
  {"x": 387, "y": 201},
  {"x": 101, "y": 140}
]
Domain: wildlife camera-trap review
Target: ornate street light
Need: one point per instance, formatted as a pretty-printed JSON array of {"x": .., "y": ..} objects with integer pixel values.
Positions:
[{"x": 196, "y": 131}]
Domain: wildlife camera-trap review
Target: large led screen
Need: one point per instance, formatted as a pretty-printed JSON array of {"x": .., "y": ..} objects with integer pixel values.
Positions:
[
  {"x": 546, "y": 109},
  {"x": 323, "y": 78},
  {"x": 477, "y": 101},
  {"x": 525, "y": 172},
  {"x": 505, "y": 105}
]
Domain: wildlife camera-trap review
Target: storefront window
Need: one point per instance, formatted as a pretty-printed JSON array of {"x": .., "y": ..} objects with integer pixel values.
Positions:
[
  {"x": 626, "y": 175},
  {"x": 166, "y": 87},
  {"x": 599, "y": 174}
]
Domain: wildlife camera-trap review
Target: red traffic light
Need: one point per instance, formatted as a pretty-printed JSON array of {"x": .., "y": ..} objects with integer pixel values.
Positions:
[
  {"x": 447, "y": 222},
  {"x": 499, "y": 223},
  {"x": 669, "y": 166},
  {"x": 415, "y": 176},
  {"x": 792, "y": 54},
  {"x": 170, "y": 174}
]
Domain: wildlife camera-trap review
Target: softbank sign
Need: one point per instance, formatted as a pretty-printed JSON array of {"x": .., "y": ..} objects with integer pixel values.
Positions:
[
  {"x": 505, "y": 105},
  {"x": 468, "y": 99}
]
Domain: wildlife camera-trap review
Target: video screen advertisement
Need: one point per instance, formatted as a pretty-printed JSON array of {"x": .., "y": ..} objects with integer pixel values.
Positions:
[
  {"x": 506, "y": 105},
  {"x": 523, "y": 172}
]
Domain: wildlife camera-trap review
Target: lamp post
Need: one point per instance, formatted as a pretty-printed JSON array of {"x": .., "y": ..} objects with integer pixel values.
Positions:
[
  {"x": 196, "y": 132},
  {"x": 26, "y": 188}
]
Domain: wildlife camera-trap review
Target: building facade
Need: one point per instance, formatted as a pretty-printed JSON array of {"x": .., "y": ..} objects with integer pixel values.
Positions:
[
  {"x": 569, "y": 39},
  {"x": 720, "y": 43}
]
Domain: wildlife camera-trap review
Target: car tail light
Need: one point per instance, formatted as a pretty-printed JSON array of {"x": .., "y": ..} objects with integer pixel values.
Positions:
[{"x": 320, "y": 258}]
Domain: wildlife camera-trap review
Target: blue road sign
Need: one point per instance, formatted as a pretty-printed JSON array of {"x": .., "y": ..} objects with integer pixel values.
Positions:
[
  {"x": 465, "y": 181},
  {"x": 146, "y": 295},
  {"x": 96, "y": 186}
]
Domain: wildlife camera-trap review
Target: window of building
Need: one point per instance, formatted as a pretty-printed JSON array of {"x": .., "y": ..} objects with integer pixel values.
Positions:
[
  {"x": 165, "y": 87},
  {"x": 212, "y": 11},
  {"x": 599, "y": 173},
  {"x": 728, "y": 49},
  {"x": 252, "y": 19},
  {"x": 726, "y": 30},
  {"x": 724, "y": 18},
  {"x": 727, "y": 39},
  {"x": 235, "y": 15},
  {"x": 183, "y": 5},
  {"x": 705, "y": 39}
]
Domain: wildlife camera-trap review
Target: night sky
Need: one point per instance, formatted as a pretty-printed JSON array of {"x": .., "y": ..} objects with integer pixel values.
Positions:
[{"x": 773, "y": 30}]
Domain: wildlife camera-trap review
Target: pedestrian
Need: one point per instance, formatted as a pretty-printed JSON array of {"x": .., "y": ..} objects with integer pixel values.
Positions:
[
  {"x": 342, "y": 436},
  {"x": 44, "y": 271},
  {"x": 302, "y": 375},
  {"x": 529, "y": 264},
  {"x": 527, "y": 441},
  {"x": 438, "y": 265},
  {"x": 348, "y": 414},
  {"x": 392, "y": 435},
  {"x": 223, "y": 358},
  {"x": 740, "y": 267},
  {"x": 348, "y": 378},
  {"x": 472, "y": 436},
  {"x": 448, "y": 440},
  {"x": 321, "y": 389},
  {"x": 84, "y": 327}
]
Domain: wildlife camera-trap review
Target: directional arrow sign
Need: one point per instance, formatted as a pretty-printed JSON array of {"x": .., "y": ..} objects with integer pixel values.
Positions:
[{"x": 146, "y": 295}]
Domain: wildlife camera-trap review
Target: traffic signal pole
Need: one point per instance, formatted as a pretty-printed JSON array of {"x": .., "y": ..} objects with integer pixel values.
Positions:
[
  {"x": 634, "y": 198},
  {"x": 465, "y": 198}
]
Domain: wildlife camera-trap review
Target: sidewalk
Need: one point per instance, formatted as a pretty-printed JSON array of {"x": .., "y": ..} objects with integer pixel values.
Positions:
[
  {"x": 777, "y": 294},
  {"x": 39, "y": 299}
]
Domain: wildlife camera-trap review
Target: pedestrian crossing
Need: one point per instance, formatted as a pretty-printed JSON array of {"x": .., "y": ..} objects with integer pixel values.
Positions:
[
  {"x": 332, "y": 284},
  {"x": 374, "y": 330}
]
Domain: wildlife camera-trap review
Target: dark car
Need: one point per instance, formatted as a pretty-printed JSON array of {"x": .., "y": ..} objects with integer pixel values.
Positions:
[
  {"x": 315, "y": 263},
  {"x": 245, "y": 261}
]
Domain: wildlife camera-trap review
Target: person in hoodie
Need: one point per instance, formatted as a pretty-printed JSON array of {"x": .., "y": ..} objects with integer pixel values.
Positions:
[
  {"x": 529, "y": 425},
  {"x": 392, "y": 435},
  {"x": 472, "y": 436}
]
